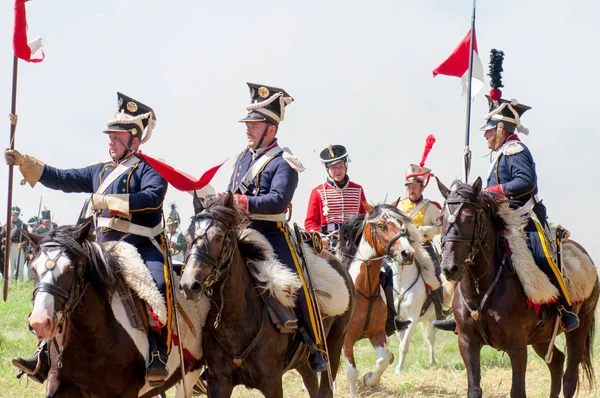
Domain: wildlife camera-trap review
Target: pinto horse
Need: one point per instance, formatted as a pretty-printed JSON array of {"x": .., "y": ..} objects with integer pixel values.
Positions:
[
  {"x": 364, "y": 242},
  {"x": 94, "y": 351},
  {"x": 241, "y": 345},
  {"x": 490, "y": 303}
]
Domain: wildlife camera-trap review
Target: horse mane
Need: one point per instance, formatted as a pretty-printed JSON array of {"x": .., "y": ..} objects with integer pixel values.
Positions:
[
  {"x": 488, "y": 200},
  {"x": 101, "y": 269},
  {"x": 349, "y": 236},
  {"x": 232, "y": 217},
  {"x": 351, "y": 230}
]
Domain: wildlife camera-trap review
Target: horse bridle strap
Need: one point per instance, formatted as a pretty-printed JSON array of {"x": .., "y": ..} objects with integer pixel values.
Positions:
[
  {"x": 477, "y": 239},
  {"x": 70, "y": 299}
]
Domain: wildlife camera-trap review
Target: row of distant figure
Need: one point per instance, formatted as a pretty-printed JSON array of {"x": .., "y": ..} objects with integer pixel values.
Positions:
[{"x": 21, "y": 249}]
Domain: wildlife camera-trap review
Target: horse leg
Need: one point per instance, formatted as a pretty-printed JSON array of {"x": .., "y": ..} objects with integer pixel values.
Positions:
[
  {"x": 555, "y": 366},
  {"x": 579, "y": 343},
  {"x": 470, "y": 351},
  {"x": 518, "y": 360},
  {"x": 351, "y": 370},
  {"x": 335, "y": 341},
  {"x": 218, "y": 387},
  {"x": 310, "y": 380},
  {"x": 57, "y": 388},
  {"x": 379, "y": 343},
  {"x": 405, "y": 343},
  {"x": 429, "y": 334},
  {"x": 272, "y": 387}
]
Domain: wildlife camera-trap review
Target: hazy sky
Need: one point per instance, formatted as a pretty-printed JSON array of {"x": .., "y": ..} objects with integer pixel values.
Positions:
[{"x": 360, "y": 73}]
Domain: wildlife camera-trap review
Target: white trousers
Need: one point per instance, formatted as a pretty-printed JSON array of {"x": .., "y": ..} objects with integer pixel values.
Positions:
[{"x": 13, "y": 266}]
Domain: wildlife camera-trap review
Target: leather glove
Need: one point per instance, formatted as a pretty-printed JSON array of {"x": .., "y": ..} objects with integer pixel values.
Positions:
[
  {"x": 31, "y": 168},
  {"x": 116, "y": 204}
]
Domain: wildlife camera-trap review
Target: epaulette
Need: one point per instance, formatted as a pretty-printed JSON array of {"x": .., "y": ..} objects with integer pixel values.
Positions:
[
  {"x": 240, "y": 153},
  {"x": 436, "y": 204},
  {"x": 512, "y": 148},
  {"x": 292, "y": 160}
]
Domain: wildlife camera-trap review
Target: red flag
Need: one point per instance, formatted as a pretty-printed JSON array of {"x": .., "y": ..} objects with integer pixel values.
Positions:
[
  {"x": 180, "y": 180},
  {"x": 21, "y": 47},
  {"x": 457, "y": 64}
]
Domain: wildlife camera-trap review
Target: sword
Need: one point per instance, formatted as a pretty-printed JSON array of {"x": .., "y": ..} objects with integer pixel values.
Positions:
[
  {"x": 562, "y": 236},
  {"x": 313, "y": 297}
]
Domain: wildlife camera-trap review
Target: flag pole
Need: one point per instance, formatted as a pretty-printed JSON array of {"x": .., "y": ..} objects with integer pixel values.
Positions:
[
  {"x": 467, "y": 150},
  {"x": 13, "y": 128}
]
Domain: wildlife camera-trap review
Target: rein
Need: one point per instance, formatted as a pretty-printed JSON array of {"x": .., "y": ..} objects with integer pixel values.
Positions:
[{"x": 475, "y": 243}]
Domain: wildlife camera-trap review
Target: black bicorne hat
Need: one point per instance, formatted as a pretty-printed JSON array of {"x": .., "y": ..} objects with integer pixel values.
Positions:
[
  {"x": 333, "y": 154},
  {"x": 268, "y": 104},
  {"x": 132, "y": 117}
]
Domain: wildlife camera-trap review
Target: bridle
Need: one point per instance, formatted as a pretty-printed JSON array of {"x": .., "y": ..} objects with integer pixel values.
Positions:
[
  {"x": 68, "y": 300},
  {"x": 477, "y": 240},
  {"x": 385, "y": 244},
  {"x": 220, "y": 265}
]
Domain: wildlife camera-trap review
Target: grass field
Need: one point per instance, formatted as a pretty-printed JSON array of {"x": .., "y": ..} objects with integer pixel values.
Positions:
[{"x": 446, "y": 379}]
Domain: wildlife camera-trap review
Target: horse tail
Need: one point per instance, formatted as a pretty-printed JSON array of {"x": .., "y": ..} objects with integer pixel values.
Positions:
[{"x": 586, "y": 361}]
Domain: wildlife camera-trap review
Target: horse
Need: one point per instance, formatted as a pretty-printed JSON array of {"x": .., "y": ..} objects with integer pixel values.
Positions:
[
  {"x": 490, "y": 302},
  {"x": 94, "y": 350},
  {"x": 241, "y": 346},
  {"x": 364, "y": 242},
  {"x": 410, "y": 300}
]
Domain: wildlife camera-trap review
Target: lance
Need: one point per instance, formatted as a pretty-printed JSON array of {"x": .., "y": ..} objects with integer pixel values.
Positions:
[
  {"x": 467, "y": 150},
  {"x": 13, "y": 128}
]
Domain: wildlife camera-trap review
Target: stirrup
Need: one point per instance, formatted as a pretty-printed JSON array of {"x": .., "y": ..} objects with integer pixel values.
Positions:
[
  {"x": 157, "y": 380},
  {"x": 568, "y": 319}
]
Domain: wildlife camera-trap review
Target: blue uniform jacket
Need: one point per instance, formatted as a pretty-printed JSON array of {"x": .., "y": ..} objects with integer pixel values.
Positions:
[
  {"x": 273, "y": 187},
  {"x": 514, "y": 171},
  {"x": 145, "y": 187}
]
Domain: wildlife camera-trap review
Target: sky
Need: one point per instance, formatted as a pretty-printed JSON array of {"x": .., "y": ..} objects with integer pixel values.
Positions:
[{"x": 360, "y": 74}]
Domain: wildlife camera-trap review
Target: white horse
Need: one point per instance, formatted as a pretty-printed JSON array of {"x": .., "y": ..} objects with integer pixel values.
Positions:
[{"x": 410, "y": 294}]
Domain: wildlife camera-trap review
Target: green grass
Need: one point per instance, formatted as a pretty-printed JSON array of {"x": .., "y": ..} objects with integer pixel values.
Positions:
[{"x": 445, "y": 379}]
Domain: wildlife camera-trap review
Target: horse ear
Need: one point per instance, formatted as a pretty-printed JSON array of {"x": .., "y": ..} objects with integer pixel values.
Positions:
[
  {"x": 477, "y": 185},
  {"x": 368, "y": 207},
  {"x": 198, "y": 205},
  {"x": 228, "y": 199},
  {"x": 83, "y": 232},
  {"x": 34, "y": 238},
  {"x": 395, "y": 203},
  {"x": 443, "y": 189}
]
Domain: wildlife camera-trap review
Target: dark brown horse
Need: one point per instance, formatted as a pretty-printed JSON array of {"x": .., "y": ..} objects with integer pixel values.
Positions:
[
  {"x": 490, "y": 303},
  {"x": 94, "y": 350},
  {"x": 241, "y": 345}
]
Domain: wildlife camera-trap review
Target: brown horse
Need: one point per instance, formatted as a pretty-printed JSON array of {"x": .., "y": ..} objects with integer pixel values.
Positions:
[
  {"x": 490, "y": 304},
  {"x": 241, "y": 345},
  {"x": 94, "y": 351},
  {"x": 364, "y": 242}
]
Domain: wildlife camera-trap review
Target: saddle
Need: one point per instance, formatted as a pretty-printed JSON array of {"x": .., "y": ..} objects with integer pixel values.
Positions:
[
  {"x": 578, "y": 268},
  {"x": 279, "y": 285}
]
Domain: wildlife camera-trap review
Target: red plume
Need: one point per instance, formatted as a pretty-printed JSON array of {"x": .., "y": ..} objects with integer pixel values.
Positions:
[{"x": 428, "y": 145}]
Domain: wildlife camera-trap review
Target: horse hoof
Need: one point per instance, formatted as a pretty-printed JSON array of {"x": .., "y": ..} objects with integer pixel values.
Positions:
[
  {"x": 397, "y": 370},
  {"x": 366, "y": 380},
  {"x": 392, "y": 358}
]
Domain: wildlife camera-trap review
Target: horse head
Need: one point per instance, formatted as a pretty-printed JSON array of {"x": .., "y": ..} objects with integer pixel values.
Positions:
[
  {"x": 466, "y": 220},
  {"x": 58, "y": 272},
  {"x": 391, "y": 233},
  {"x": 211, "y": 240}
]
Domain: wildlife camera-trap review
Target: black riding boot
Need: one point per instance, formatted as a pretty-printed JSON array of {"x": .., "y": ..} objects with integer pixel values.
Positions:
[
  {"x": 157, "y": 373},
  {"x": 445, "y": 324},
  {"x": 393, "y": 324},
  {"x": 36, "y": 366},
  {"x": 568, "y": 319},
  {"x": 437, "y": 298},
  {"x": 315, "y": 358}
]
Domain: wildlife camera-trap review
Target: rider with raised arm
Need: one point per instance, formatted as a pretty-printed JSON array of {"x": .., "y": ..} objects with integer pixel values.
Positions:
[
  {"x": 264, "y": 180},
  {"x": 335, "y": 200},
  {"x": 129, "y": 196}
]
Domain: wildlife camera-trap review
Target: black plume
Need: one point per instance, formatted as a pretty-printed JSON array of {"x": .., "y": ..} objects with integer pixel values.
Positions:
[{"x": 496, "y": 58}]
